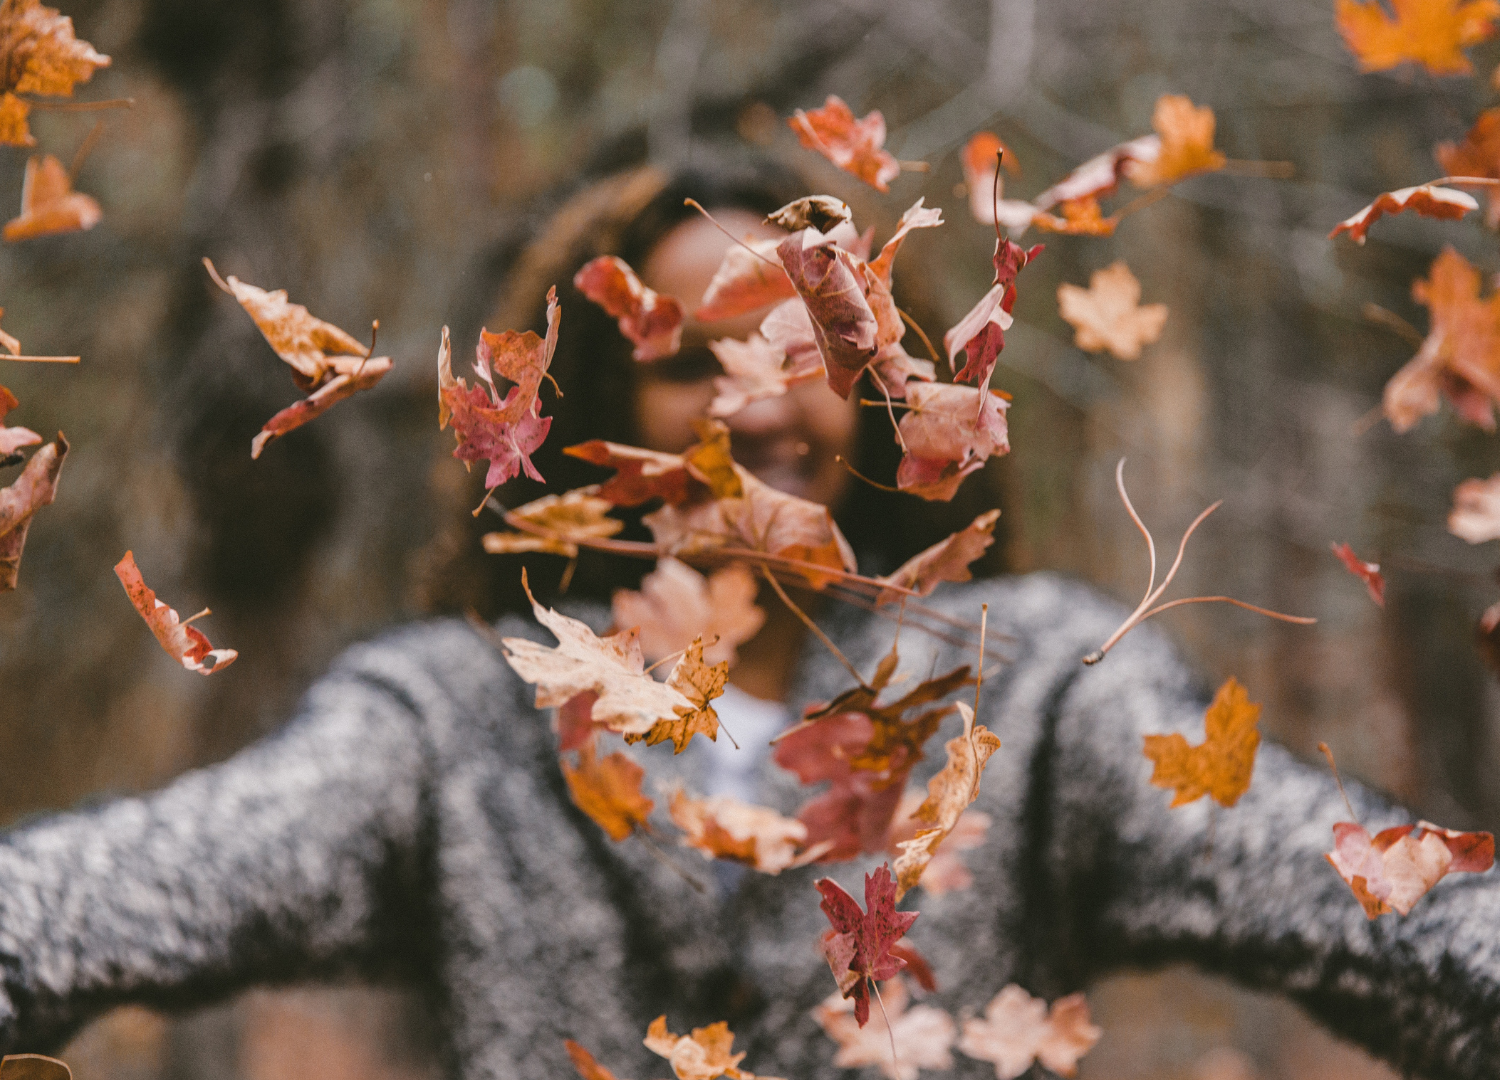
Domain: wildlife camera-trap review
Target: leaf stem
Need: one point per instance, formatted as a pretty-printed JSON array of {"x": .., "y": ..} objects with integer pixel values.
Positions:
[
  {"x": 890, "y": 1031},
  {"x": 80, "y": 106},
  {"x": 926, "y": 341},
  {"x": 861, "y": 476},
  {"x": 696, "y": 205},
  {"x": 817, "y": 631}
]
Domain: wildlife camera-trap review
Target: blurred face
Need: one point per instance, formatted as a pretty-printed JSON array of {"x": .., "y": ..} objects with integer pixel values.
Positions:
[{"x": 790, "y": 442}]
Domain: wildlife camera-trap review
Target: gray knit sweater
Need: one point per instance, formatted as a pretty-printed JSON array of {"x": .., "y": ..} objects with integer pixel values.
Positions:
[{"x": 411, "y": 821}]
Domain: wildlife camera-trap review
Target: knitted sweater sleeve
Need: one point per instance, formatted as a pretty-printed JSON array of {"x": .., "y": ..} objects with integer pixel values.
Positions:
[
  {"x": 296, "y": 857},
  {"x": 1120, "y": 879}
]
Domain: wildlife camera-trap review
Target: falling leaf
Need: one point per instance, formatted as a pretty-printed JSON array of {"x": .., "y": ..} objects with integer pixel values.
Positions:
[
  {"x": 573, "y": 722},
  {"x": 952, "y": 790},
  {"x": 922, "y": 1034},
  {"x": 1080, "y": 217},
  {"x": 677, "y": 604},
  {"x": 651, "y": 320},
  {"x": 1018, "y": 1029},
  {"x": 725, "y": 828},
  {"x": 699, "y": 683},
  {"x": 327, "y": 363},
  {"x": 640, "y": 475},
  {"x": 1460, "y": 356},
  {"x": 870, "y": 932},
  {"x": 49, "y": 205},
  {"x": 12, "y": 439},
  {"x": 1099, "y": 175},
  {"x": 608, "y": 791},
  {"x": 1368, "y": 572},
  {"x": 33, "y": 489},
  {"x": 947, "y": 560},
  {"x": 629, "y": 701},
  {"x": 568, "y": 518},
  {"x": 185, "y": 644},
  {"x": 835, "y": 285},
  {"x": 1394, "y": 869},
  {"x": 1425, "y": 199},
  {"x": 856, "y": 146},
  {"x": 821, "y": 212},
  {"x": 949, "y": 431},
  {"x": 505, "y": 431},
  {"x": 1220, "y": 766},
  {"x": 754, "y": 370},
  {"x": 41, "y": 57},
  {"x": 788, "y": 329},
  {"x": 894, "y": 368},
  {"x": 588, "y": 1067},
  {"x": 702, "y": 1055},
  {"x": 917, "y": 216},
  {"x": 1427, "y": 32},
  {"x": 980, "y": 335},
  {"x": 981, "y": 161},
  {"x": 1476, "y": 510},
  {"x": 1185, "y": 147},
  {"x": 1108, "y": 314},
  {"x": 1477, "y": 155},
  {"x": 749, "y": 278},
  {"x": 946, "y": 872}
]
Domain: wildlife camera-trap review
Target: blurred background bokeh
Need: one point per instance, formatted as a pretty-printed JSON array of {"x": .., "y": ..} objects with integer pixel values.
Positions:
[{"x": 373, "y": 156}]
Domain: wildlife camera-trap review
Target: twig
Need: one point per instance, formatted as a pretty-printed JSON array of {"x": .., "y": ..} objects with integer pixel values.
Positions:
[
  {"x": 195, "y": 618},
  {"x": 817, "y": 631},
  {"x": 1274, "y": 170},
  {"x": 1391, "y": 321},
  {"x": 861, "y": 476},
  {"x": 1140, "y": 202},
  {"x": 40, "y": 359},
  {"x": 1148, "y": 606},
  {"x": 644, "y": 832},
  {"x": 80, "y": 106},
  {"x": 891, "y": 412},
  {"x": 926, "y": 341},
  {"x": 1323, "y": 746}
]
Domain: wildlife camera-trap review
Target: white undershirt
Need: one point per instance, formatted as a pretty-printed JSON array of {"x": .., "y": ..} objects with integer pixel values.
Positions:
[{"x": 753, "y": 722}]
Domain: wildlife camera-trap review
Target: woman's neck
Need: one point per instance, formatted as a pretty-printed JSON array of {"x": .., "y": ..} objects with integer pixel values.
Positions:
[{"x": 768, "y": 661}]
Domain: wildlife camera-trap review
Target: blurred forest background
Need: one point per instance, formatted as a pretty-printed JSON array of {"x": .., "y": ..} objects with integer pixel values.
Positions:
[{"x": 371, "y": 156}]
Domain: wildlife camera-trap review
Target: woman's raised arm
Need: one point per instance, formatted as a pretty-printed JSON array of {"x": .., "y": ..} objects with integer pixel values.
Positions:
[{"x": 300, "y": 855}]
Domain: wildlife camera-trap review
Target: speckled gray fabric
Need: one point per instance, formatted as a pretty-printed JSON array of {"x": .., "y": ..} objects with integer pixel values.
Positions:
[{"x": 411, "y": 822}]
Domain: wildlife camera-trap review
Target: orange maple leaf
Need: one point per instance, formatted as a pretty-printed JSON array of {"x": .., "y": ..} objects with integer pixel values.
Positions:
[
  {"x": 699, "y": 683},
  {"x": 38, "y": 55},
  {"x": 1080, "y": 217},
  {"x": 856, "y": 146},
  {"x": 1477, "y": 155},
  {"x": 1109, "y": 314},
  {"x": 185, "y": 644},
  {"x": 703, "y": 1055},
  {"x": 1427, "y": 32},
  {"x": 565, "y": 519},
  {"x": 1018, "y": 1029},
  {"x": 1220, "y": 766},
  {"x": 1186, "y": 145},
  {"x": 23, "y": 497},
  {"x": 49, "y": 205},
  {"x": 608, "y": 791}
]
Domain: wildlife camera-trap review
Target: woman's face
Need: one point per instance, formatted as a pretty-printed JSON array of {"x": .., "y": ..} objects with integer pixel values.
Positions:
[{"x": 791, "y": 442}]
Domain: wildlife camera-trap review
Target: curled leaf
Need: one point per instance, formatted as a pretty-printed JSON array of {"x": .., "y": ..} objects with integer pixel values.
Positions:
[
  {"x": 49, "y": 205},
  {"x": 185, "y": 644},
  {"x": 854, "y": 145},
  {"x": 950, "y": 431},
  {"x": 749, "y": 278},
  {"x": 1221, "y": 765},
  {"x": 652, "y": 321},
  {"x": 980, "y": 335},
  {"x": 1368, "y": 572},
  {"x": 1425, "y": 199},
  {"x": 1396, "y": 867},
  {"x": 33, "y": 489},
  {"x": 947, "y": 560}
]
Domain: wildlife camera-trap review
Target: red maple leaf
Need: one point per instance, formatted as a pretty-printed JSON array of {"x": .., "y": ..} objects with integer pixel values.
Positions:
[
  {"x": 865, "y": 936},
  {"x": 651, "y": 320},
  {"x": 980, "y": 335}
]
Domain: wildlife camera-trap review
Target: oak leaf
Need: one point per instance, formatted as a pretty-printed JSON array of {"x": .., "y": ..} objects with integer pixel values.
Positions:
[
  {"x": 1429, "y": 200},
  {"x": 1018, "y": 1029},
  {"x": 608, "y": 791},
  {"x": 508, "y": 430},
  {"x": 871, "y": 932},
  {"x": 923, "y": 1034},
  {"x": 1368, "y": 572},
  {"x": 185, "y": 644},
  {"x": 1432, "y": 33},
  {"x": 703, "y": 1055},
  {"x": 651, "y": 320},
  {"x": 1185, "y": 144},
  {"x": 949, "y": 793},
  {"x": 573, "y": 516},
  {"x": 1109, "y": 315},
  {"x": 854, "y": 145},
  {"x": 13, "y": 438},
  {"x": 1477, "y": 155},
  {"x": 1396, "y": 867},
  {"x": 677, "y": 604},
  {"x": 629, "y": 700},
  {"x": 33, "y": 489},
  {"x": 1221, "y": 765},
  {"x": 587, "y": 1065},
  {"x": 1476, "y": 510},
  {"x": 947, "y": 560},
  {"x": 980, "y": 335},
  {"x": 725, "y": 828},
  {"x": 49, "y": 205},
  {"x": 950, "y": 431},
  {"x": 38, "y": 55}
]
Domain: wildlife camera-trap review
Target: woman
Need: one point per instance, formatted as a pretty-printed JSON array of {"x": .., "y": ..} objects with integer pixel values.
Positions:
[{"x": 412, "y": 820}]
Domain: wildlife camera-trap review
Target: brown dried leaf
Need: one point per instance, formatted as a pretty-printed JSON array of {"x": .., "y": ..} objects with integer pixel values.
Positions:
[
  {"x": 1394, "y": 869},
  {"x": 185, "y": 644},
  {"x": 33, "y": 489},
  {"x": 608, "y": 791},
  {"x": 49, "y": 205},
  {"x": 947, "y": 560},
  {"x": 700, "y": 683},
  {"x": 1477, "y": 155},
  {"x": 573, "y": 516},
  {"x": 1108, "y": 314},
  {"x": 38, "y": 55},
  {"x": 1425, "y": 199},
  {"x": 749, "y": 278}
]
